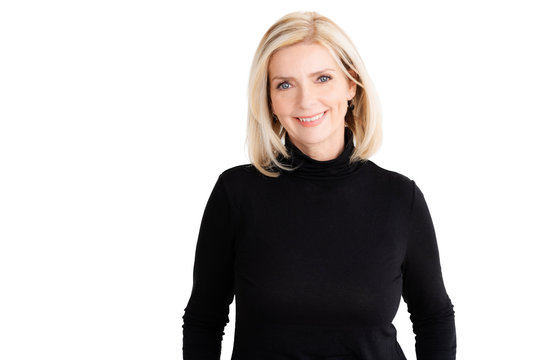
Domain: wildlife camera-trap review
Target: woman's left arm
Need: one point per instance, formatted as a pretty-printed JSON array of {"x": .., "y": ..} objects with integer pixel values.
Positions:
[{"x": 431, "y": 310}]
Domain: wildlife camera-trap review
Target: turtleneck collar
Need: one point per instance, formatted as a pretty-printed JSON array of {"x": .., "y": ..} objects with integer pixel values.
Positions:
[{"x": 329, "y": 169}]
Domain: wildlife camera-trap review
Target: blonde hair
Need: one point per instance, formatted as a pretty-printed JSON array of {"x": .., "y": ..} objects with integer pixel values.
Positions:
[{"x": 264, "y": 137}]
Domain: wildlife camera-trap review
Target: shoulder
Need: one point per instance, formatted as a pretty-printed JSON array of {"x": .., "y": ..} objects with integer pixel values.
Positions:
[
  {"x": 388, "y": 174},
  {"x": 238, "y": 172},
  {"x": 391, "y": 181},
  {"x": 240, "y": 182},
  {"x": 239, "y": 177}
]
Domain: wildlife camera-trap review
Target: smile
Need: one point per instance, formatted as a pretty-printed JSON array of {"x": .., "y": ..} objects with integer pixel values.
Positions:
[{"x": 311, "y": 118}]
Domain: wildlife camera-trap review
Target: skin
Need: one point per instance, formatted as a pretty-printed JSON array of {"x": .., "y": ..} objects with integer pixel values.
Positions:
[{"x": 301, "y": 86}]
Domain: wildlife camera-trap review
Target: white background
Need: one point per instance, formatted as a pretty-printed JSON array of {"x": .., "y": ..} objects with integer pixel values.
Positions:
[{"x": 118, "y": 116}]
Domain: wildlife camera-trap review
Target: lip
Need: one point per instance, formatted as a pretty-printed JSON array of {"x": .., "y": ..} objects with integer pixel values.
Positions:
[
  {"x": 310, "y": 116},
  {"x": 313, "y": 123}
]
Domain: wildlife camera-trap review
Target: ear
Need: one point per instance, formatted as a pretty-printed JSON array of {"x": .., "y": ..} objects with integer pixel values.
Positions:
[{"x": 352, "y": 86}]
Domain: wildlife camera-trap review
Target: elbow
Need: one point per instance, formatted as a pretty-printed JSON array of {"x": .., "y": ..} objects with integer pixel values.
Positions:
[
  {"x": 445, "y": 315},
  {"x": 436, "y": 334}
]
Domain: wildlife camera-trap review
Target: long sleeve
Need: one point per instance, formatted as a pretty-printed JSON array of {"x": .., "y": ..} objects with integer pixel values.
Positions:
[
  {"x": 206, "y": 314},
  {"x": 431, "y": 310}
]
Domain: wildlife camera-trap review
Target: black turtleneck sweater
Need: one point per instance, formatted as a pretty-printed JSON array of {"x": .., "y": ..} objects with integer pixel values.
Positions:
[{"x": 317, "y": 259}]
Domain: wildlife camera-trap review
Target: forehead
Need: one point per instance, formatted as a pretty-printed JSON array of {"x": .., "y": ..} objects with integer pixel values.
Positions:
[{"x": 300, "y": 58}]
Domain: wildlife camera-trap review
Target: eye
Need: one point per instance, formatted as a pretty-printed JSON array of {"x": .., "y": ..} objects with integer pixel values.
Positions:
[
  {"x": 324, "y": 78},
  {"x": 281, "y": 85}
]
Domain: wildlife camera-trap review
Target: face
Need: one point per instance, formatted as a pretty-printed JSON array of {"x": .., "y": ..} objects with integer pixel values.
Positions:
[{"x": 309, "y": 95}]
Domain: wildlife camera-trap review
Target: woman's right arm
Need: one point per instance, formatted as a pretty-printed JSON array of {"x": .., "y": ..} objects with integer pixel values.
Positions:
[{"x": 206, "y": 314}]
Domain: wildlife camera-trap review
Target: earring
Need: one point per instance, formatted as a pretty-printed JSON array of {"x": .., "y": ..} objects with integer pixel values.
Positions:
[
  {"x": 274, "y": 118},
  {"x": 350, "y": 105}
]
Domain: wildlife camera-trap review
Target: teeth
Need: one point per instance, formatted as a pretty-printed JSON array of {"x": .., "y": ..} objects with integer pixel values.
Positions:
[{"x": 312, "y": 118}]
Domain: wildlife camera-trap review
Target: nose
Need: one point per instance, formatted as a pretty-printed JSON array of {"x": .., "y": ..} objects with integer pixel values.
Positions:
[{"x": 305, "y": 97}]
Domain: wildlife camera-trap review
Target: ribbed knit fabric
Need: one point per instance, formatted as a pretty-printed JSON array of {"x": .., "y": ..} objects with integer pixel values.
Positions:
[{"x": 317, "y": 260}]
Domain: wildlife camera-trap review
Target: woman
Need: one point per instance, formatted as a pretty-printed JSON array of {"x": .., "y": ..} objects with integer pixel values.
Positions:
[{"x": 316, "y": 242}]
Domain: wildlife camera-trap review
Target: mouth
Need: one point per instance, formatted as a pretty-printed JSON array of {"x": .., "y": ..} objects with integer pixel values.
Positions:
[{"x": 312, "y": 120}]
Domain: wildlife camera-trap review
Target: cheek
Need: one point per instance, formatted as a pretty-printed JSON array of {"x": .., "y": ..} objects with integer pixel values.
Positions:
[
  {"x": 333, "y": 95},
  {"x": 337, "y": 102},
  {"x": 281, "y": 103}
]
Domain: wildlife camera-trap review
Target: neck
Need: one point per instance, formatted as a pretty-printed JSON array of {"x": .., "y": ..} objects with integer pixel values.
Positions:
[
  {"x": 307, "y": 167},
  {"x": 325, "y": 151}
]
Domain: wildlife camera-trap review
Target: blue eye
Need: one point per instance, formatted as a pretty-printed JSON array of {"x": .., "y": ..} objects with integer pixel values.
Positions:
[
  {"x": 286, "y": 85},
  {"x": 280, "y": 86},
  {"x": 326, "y": 77}
]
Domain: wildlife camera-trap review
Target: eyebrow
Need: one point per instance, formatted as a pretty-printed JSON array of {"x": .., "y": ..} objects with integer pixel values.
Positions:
[{"x": 291, "y": 77}]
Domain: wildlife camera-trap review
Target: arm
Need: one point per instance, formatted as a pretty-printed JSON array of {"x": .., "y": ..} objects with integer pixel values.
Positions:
[
  {"x": 430, "y": 308},
  {"x": 206, "y": 313}
]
